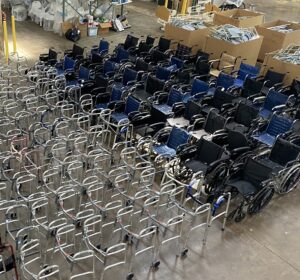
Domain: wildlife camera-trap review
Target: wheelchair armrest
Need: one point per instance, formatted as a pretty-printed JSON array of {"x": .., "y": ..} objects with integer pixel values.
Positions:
[
  {"x": 253, "y": 96},
  {"x": 110, "y": 74},
  {"x": 220, "y": 138},
  {"x": 278, "y": 107},
  {"x": 161, "y": 98},
  {"x": 227, "y": 106},
  {"x": 278, "y": 85},
  {"x": 240, "y": 150},
  {"x": 119, "y": 106},
  {"x": 215, "y": 163},
  {"x": 198, "y": 124},
  {"x": 196, "y": 117},
  {"x": 259, "y": 99},
  {"x": 220, "y": 131},
  {"x": 118, "y": 77},
  {"x": 178, "y": 109},
  {"x": 198, "y": 95},
  {"x": 140, "y": 118},
  {"x": 111, "y": 105},
  {"x": 227, "y": 67},
  {"x": 206, "y": 100},
  {"x": 291, "y": 162},
  {"x": 131, "y": 83},
  {"x": 132, "y": 114},
  {"x": 187, "y": 152},
  {"x": 182, "y": 147}
]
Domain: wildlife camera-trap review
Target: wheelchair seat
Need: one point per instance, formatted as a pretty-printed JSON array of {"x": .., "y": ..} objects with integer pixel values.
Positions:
[
  {"x": 206, "y": 153},
  {"x": 243, "y": 117},
  {"x": 176, "y": 138},
  {"x": 283, "y": 152},
  {"x": 152, "y": 85},
  {"x": 213, "y": 123},
  {"x": 245, "y": 71},
  {"x": 131, "y": 105},
  {"x": 277, "y": 126},
  {"x": 250, "y": 178},
  {"x": 192, "y": 108},
  {"x": 274, "y": 100}
]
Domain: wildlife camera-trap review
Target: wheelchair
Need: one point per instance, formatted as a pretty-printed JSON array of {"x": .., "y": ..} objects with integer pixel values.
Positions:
[{"x": 251, "y": 188}]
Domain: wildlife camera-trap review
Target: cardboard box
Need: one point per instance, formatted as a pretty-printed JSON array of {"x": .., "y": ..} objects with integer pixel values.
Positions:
[
  {"x": 239, "y": 17},
  {"x": 103, "y": 27},
  {"x": 248, "y": 50},
  {"x": 274, "y": 40},
  {"x": 292, "y": 71},
  {"x": 163, "y": 13},
  {"x": 68, "y": 25},
  {"x": 189, "y": 38}
]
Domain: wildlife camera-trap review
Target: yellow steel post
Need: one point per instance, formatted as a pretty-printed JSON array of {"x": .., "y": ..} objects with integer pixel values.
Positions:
[
  {"x": 183, "y": 7},
  {"x": 166, "y": 3},
  {"x": 13, "y": 30},
  {"x": 5, "y": 40}
]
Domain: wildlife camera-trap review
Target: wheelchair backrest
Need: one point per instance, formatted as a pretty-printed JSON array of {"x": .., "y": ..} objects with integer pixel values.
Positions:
[
  {"x": 77, "y": 51},
  {"x": 163, "y": 73},
  {"x": 52, "y": 54},
  {"x": 192, "y": 108},
  {"x": 122, "y": 54},
  {"x": 153, "y": 84},
  {"x": 278, "y": 125},
  {"x": 183, "y": 50},
  {"x": 132, "y": 105},
  {"x": 199, "y": 86},
  {"x": 150, "y": 40},
  {"x": 177, "y": 61},
  {"x": 202, "y": 67},
  {"x": 141, "y": 65},
  {"x": 177, "y": 137},
  {"x": 274, "y": 77},
  {"x": 96, "y": 57},
  {"x": 157, "y": 55},
  {"x": 69, "y": 63},
  {"x": 245, "y": 114},
  {"x": 274, "y": 98},
  {"x": 130, "y": 42},
  {"x": 214, "y": 122},
  {"x": 222, "y": 97},
  {"x": 84, "y": 73},
  {"x": 103, "y": 46},
  {"x": 108, "y": 66},
  {"x": 226, "y": 60},
  {"x": 129, "y": 75},
  {"x": 164, "y": 44},
  {"x": 255, "y": 172},
  {"x": 202, "y": 56},
  {"x": 236, "y": 139},
  {"x": 283, "y": 151},
  {"x": 247, "y": 70},
  {"x": 251, "y": 86},
  {"x": 116, "y": 93},
  {"x": 208, "y": 152},
  {"x": 225, "y": 81},
  {"x": 174, "y": 97}
]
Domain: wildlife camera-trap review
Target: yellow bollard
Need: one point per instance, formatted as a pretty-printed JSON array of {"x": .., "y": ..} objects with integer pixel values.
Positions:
[
  {"x": 13, "y": 30},
  {"x": 183, "y": 7},
  {"x": 5, "y": 40},
  {"x": 166, "y": 3}
]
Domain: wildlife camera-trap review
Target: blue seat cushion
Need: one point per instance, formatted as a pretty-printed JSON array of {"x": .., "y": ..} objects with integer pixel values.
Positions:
[
  {"x": 164, "y": 108},
  {"x": 164, "y": 150},
  {"x": 238, "y": 83},
  {"x": 101, "y": 106},
  {"x": 119, "y": 116},
  {"x": 265, "y": 138},
  {"x": 264, "y": 113},
  {"x": 60, "y": 71}
]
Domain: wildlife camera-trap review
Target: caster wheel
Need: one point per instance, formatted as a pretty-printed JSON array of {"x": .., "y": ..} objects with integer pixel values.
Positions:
[
  {"x": 184, "y": 253},
  {"x": 156, "y": 264},
  {"x": 240, "y": 217},
  {"x": 130, "y": 276}
]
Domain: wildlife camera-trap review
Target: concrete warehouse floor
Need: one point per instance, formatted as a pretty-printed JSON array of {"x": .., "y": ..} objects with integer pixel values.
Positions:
[{"x": 262, "y": 247}]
